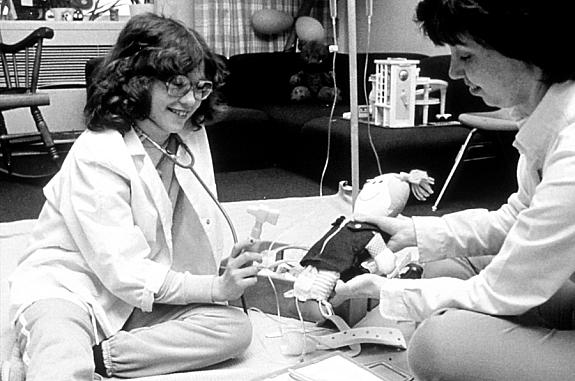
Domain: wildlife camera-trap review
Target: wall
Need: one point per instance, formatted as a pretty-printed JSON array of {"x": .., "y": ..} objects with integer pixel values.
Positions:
[
  {"x": 182, "y": 10},
  {"x": 65, "y": 113},
  {"x": 392, "y": 28}
]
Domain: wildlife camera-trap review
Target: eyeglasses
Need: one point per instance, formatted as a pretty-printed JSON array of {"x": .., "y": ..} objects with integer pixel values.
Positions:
[{"x": 180, "y": 85}]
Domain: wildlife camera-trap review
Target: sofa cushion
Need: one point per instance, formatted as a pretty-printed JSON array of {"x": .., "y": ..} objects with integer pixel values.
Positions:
[
  {"x": 292, "y": 116},
  {"x": 240, "y": 138},
  {"x": 399, "y": 149}
]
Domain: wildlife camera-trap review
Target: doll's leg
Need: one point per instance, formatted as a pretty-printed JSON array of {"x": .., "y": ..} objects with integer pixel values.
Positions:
[
  {"x": 175, "y": 339},
  {"x": 55, "y": 337},
  {"x": 465, "y": 345}
]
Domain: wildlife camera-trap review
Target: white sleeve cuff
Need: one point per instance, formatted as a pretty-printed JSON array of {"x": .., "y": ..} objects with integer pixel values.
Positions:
[
  {"x": 185, "y": 288},
  {"x": 154, "y": 274},
  {"x": 391, "y": 304}
]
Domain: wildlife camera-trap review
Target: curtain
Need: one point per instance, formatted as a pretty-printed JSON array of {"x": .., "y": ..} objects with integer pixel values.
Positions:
[{"x": 226, "y": 24}]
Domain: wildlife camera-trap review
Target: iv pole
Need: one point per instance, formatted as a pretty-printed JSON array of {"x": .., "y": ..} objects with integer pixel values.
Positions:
[{"x": 354, "y": 123}]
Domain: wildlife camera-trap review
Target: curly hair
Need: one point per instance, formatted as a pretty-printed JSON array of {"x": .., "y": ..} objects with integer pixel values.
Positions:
[
  {"x": 149, "y": 47},
  {"x": 531, "y": 31}
]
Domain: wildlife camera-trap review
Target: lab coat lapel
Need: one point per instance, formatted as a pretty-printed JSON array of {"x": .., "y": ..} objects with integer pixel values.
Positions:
[
  {"x": 203, "y": 205},
  {"x": 153, "y": 183}
]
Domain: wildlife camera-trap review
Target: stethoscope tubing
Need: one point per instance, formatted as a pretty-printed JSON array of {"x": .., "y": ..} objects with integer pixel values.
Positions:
[{"x": 174, "y": 158}]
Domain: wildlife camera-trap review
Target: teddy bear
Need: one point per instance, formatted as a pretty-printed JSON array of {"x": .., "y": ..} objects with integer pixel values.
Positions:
[{"x": 315, "y": 81}]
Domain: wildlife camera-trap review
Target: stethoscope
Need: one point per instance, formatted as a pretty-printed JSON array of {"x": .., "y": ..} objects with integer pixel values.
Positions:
[{"x": 173, "y": 157}]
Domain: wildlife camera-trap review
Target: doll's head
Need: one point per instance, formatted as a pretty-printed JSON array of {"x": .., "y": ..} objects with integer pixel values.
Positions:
[{"x": 384, "y": 195}]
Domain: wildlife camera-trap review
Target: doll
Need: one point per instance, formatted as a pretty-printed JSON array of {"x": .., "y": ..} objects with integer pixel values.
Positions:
[{"x": 351, "y": 248}]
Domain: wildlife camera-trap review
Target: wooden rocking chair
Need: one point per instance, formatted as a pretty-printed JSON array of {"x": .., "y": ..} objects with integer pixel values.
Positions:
[{"x": 18, "y": 88}]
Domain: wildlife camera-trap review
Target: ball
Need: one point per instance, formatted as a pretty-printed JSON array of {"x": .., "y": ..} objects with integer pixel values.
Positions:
[
  {"x": 309, "y": 29},
  {"x": 271, "y": 21}
]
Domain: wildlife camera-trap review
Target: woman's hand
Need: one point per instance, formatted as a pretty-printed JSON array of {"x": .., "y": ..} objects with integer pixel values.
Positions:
[
  {"x": 401, "y": 229},
  {"x": 240, "y": 273},
  {"x": 362, "y": 286}
]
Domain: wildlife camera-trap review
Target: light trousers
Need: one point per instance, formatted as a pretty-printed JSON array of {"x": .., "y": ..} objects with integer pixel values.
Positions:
[
  {"x": 56, "y": 337},
  {"x": 464, "y": 345}
]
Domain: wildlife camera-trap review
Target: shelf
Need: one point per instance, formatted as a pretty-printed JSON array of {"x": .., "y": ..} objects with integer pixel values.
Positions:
[{"x": 65, "y": 33}]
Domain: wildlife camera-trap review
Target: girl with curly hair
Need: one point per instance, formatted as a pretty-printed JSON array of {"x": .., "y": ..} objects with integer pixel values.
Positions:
[{"x": 121, "y": 274}]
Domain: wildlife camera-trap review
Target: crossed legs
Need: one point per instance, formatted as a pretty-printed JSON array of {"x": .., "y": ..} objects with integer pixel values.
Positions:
[
  {"x": 464, "y": 345},
  {"x": 56, "y": 336}
]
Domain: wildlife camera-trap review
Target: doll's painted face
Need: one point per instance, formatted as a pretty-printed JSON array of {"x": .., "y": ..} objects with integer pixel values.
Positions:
[
  {"x": 169, "y": 112},
  {"x": 501, "y": 81}
]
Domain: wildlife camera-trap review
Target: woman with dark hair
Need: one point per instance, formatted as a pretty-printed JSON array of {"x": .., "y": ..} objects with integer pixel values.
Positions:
[
  {"x": 498, "y": 301},
  {"x": 121, "y": 275}
]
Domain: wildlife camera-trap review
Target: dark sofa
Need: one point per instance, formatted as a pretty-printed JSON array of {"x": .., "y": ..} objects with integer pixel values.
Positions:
[
  {"x": 261, "y": 126},
  {"x": 257, "y": 92}
]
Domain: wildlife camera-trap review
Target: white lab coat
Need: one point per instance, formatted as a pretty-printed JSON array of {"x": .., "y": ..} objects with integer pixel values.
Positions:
[{"x": 92, "y": 241}]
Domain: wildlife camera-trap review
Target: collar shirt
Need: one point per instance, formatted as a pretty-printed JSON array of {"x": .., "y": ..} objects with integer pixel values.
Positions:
[
  {"x": 532, "y": 235},
  {"x": 104, "y": 237}
]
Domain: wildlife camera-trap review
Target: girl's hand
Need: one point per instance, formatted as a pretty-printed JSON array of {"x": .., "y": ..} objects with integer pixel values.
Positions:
[
  {"x": 240, "y": 273},
  {"x": 401, "y": 229},
  {"x": 362, "y": 286}
]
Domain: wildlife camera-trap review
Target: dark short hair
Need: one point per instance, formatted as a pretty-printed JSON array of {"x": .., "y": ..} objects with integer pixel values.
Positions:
[
  {"x": 149, "y": 47},
  {"x": 534, "y": 31}
]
